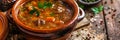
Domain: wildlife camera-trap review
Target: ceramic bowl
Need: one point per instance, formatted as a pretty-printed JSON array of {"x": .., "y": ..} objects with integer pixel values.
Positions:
[
  {"x": 3, "y": 26},
  {"x": 78, "y": 14}
]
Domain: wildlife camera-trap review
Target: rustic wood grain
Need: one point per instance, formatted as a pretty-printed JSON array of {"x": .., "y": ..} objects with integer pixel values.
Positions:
[
  {"x": 95, "y": 31},
  {"x": 112, "y": 17}
]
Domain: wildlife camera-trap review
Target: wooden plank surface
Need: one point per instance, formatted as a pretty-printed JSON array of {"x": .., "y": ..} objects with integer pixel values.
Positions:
[
  {"x": 95, "y": 31},
  {"x": 112, "y": 17}
]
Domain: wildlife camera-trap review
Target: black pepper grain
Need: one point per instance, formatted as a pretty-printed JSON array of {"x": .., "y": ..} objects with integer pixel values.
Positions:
[
  {"x": 105, "y": 2},
  {"x": 101, "y": 22},
  {"x": 114, "y": 10},
  {"x": 109, "y": 12},
  {"x": 118, "y": 21}
]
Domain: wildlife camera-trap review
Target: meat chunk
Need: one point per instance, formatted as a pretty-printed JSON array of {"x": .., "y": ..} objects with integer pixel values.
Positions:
[{"x": 39, "y": 22}]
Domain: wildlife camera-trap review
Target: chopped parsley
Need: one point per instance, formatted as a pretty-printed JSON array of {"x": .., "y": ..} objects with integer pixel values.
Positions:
[{"x": 44, "y": 5}]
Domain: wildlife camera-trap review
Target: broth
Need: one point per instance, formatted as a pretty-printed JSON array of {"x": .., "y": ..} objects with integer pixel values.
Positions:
[{"x": 45, "y": 14}]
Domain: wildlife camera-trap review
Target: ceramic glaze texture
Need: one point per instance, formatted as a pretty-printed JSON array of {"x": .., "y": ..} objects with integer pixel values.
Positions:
[{"x": 1, "y": 28}]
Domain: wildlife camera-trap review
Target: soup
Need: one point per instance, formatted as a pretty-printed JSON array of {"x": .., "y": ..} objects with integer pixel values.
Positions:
[{"x": 45, "y": 14}]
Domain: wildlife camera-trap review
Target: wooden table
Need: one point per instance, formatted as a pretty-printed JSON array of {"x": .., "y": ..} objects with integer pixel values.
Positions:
[{"x": 103, "y": 26}]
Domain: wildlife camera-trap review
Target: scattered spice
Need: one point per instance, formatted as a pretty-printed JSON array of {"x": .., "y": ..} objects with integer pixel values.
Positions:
[
  {"x": 101, "y": 22},
  {"x": 96, "y": 25},
  {"x": 113, "y": 15},
  {"x": 91, "y": 16},
  {"x": 114, "y": 10},
  {"x": 109, "y": 12},
  {"x": 82, "y": 29},
  {"x": 119, "y": 21},
  {"x": 93, "y": 37},
  {"x": 77, "y": 36},
  {"x": 105, "y": 2},
  {"x": 88, "y": 35}
]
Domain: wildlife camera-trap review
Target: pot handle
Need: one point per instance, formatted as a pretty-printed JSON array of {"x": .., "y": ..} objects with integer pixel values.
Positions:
[
  {"x": 80, "y": 17},
  {"x": 81, "y": 14}
]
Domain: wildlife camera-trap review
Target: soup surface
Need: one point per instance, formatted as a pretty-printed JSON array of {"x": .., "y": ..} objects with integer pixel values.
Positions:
[{"x": 45, "y": 14}]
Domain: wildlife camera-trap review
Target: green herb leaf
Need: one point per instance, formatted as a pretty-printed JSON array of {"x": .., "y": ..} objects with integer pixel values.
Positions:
[
  {"x": 40, "y": 5},
  {"x": 32, "y": 11},
  {"x": 100, "y": 8},
  {"x": 97, "y": 10},
  {"x": 44, "y": 5},
  {"x": 49, "y": 4}
]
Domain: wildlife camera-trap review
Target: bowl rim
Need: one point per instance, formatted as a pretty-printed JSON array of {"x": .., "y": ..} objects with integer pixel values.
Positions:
[{"x": 74, "y": 18}]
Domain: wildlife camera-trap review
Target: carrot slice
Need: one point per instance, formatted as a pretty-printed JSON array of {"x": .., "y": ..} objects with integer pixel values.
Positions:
[{"x": 50, "y": 19}]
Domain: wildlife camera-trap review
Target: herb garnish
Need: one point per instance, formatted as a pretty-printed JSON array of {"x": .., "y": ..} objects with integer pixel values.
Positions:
[
  {"x": 97, "y": 10},
  {"x": 40, "y": 5},
  {"x": 34, "y": 11},
  {"x": 44, "y": 5}
]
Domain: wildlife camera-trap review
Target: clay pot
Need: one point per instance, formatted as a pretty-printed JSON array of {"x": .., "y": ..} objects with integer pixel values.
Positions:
[
  {"x": 3, "y": 26},
  {"x": 49, "y": 34}
]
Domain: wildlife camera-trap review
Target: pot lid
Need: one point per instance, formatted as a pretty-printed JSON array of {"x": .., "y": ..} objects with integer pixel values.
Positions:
[{"x": 3, "y": 26}]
